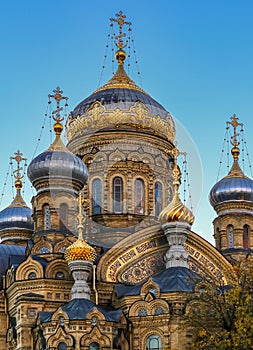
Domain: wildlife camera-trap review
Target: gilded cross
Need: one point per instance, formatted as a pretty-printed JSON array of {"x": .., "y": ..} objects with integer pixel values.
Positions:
[
  {"x": 58, "y": 97},
  {"x": 176, "y": 171},
  {"x": 121, "y": 21},
  {"x": 18, "y": 158},
  {"x": 235, "y": 124}
]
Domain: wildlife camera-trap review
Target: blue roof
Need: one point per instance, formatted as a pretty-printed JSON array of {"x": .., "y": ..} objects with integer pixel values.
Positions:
[
  {"x": 174, "y": 279},
  {"x": 78, "y": 309},
  {"x": 8, "y": 251}
]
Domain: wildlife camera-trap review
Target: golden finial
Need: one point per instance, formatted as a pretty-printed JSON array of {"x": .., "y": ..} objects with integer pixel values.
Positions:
[
  {"x": 56, "y": 114},
  {"x": 80, "y": 216},
  {"x": 176, "y": 171},
  {"x": 80, "y": 250},
  {"x": 176, "y": 210},
  {"x": 234, "y": 142},
  {"x": 121, "y": 21},
  {"x": 18, "y": 158}
]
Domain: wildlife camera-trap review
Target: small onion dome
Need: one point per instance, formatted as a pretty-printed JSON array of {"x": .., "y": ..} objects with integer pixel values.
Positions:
[
  {"x": 57, "y": 162},
  {"x": 176, "y": 211},
  {"x": 80, "y": 250},
  {"x": 233, "y": 187},
  {"x": 17, "y": 214}
]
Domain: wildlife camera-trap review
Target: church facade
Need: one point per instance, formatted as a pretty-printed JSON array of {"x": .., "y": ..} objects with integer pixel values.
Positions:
[{"x": 106, "y": 258}]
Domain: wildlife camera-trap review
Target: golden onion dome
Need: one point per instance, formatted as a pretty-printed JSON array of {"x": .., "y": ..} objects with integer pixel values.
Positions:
[
  {"x": 176, "y": 211},
  {"x": 80, "y": 250}
]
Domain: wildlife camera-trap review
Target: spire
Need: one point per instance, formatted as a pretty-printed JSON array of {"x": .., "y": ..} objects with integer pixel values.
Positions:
[
  {"x": 80, "y": 250},
  {"x": 176, "y": 210},
  {"x": 176, "y": 221},
  {"x": 235, "y": 171},
  {"x": 80, "y": 257},
  {"x": 18, "y": 200},
  {"x": 120, "y": 78}
]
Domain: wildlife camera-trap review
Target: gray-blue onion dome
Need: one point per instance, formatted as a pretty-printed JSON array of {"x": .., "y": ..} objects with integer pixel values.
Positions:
[
  {"x": 233, "y": 187},
  {"x": 57, "y": 162},
  {"x": 17, "y": 215}
]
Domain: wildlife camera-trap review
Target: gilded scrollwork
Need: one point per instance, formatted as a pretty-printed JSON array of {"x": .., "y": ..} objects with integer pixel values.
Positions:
[{"x": 138, "y": 117}]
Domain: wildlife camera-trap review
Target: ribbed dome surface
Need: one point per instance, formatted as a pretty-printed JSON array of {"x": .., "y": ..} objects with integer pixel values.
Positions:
[
  {"x": 122, "y": 98},
  {"x": 57, "y": 164},
  {"x": 231, "y": 189}
]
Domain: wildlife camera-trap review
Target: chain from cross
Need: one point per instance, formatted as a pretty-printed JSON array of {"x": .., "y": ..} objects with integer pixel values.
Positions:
[
  {"x": 121, "y": 21},
  {"x": 58, "y": 97},
  {"x": 235, "y": 124},
  {"x": 18, "y": 158}
]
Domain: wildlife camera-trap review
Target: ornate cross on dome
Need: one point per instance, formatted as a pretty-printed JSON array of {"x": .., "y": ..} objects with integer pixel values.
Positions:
[
  {"x": 58, "y": 97},
  {"x": 18, "y": 158},
  {"x": 235, "y": 124},
  {"x": 176, "y": 171},
  {"x": 121, "y": 21}
]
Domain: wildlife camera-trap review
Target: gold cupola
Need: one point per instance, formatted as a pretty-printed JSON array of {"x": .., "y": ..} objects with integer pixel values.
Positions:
[
  {"x": 80, "y": 250},
  {"x": 176, "y": 211}
]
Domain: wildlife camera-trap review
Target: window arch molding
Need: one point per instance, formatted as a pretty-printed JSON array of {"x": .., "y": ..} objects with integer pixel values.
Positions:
[
  {"x": 96, "y": 190},
  {"x": 246, "y": 236},
  {"x": 158, "y": 197},
  {"x": 63, "y": 216},
  {"x": 46, "y": 216},
  {"x": 118, "y": 195},
  {"x": 230, "y": 234},
  {"x": 154, "y": 332},
  {"x": 140, "y": 208}
]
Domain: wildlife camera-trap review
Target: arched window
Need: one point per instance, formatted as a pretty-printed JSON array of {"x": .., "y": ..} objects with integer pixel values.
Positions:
[
  {"x": 117, "y": 195},
  {"x": 96, "y": 196},
  {"x": 142, "y": 312},
  {"x": 245, "y": 236},
  {"x": 46, "y": 214},
  {"x": 60, "y": 275},
  {"x": 230, "y": 236},
  {"x": 159, "y": 311},
  {"x": 94, "y": 346},
  {"x": 63, "y": 216},
  {"x": 139, "y": 196},
  {"x": 32, "y": 276},
  {"x": 154, "y": 343},
  {"x": 62, "y": 346},
  {"x": 158, "y": 198}
]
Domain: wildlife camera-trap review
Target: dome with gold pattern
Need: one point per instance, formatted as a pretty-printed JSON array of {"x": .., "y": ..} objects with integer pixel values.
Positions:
[
  {"x": 80, "y": 250},
  {"x": 121, "y": 104}
]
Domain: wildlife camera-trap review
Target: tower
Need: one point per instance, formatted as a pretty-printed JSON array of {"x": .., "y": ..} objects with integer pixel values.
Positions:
[
  {"x": 57, "y": 175},
  {"x": 232, "y": 199}
]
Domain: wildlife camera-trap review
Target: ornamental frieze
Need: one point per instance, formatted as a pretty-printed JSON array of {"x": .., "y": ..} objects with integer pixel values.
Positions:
[
  {"x": 139, "y": 262},
  {"x": 138, "y": 116}
]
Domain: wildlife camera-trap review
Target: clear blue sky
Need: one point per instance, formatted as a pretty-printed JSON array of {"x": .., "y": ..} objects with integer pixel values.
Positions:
[{"x": 195, "y": 58}]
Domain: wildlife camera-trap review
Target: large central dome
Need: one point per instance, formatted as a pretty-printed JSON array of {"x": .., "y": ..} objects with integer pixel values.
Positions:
[{"x": 120, "y": 103}]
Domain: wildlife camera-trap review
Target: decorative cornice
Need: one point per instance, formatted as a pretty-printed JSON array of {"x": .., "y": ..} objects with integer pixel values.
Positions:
[{"x": 97, "y": 117}]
